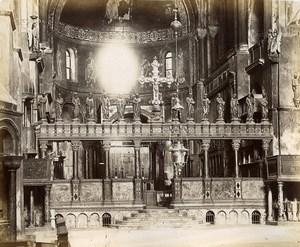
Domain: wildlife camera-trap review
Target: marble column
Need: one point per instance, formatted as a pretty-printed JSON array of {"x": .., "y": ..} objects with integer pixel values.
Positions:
[
  {"x": 31, "y": 209},
  {"x": 236, "y": 146},
  {"x": 265, "y": 146},
  {"x": 75, "y": 148},
  {"x": 137, "y": 158},
  {"x": 107, "y": 183},
  {"x": 106, "y": 147},
  {"x": 280, "y": 201},
  {"x": 205, "y": 147},
  {"x": 138, "y": 191},
  {"x": 270, "y": 204},
  {"x": 43, "y": 147},
  {"x": 12, "y": 163},
  {"x": 75, "y": 182},
  {"x": 47, "y": 203}
]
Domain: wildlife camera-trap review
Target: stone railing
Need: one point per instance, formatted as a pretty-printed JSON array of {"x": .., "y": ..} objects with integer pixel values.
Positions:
[{"x": 149, "y": 131}]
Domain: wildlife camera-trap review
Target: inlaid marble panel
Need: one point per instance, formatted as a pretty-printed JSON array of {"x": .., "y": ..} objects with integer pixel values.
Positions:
[
  {"x": 221, "y": 218},
  {"x": 122, "y": 191},
  {"x": 94, "y": 220},
  {"x": 60, "y": 192},
  {"x": 222, "y": 189},
  {"x": 82, "y": 221},
  {"x": 192, "y": 190},
  {"x": 70, "y": 221},
  {"x": 253, "y": 189},
  {"x": 91, "y": 191},
  {"x": 233, "y": 217}
]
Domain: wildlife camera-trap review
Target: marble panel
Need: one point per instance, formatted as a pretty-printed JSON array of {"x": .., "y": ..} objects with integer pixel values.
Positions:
[
  {"x": 222, "y": 189},
  {"x": 221, "y": 218},
  {"x": 192, "y": 190},
  {"x": 60, "y": 192},
  {"x": 82, "y": 221},
  {"x": 122, "y": 191},
  {"x": 253, "y": 189},
  {"x": 70, "y": 221},
  {"x": 94, "y": 220},
  {"x": 91, "y": 191},
  {"x": 233, "y": 217},
  {"x": 244, "y": 217}
]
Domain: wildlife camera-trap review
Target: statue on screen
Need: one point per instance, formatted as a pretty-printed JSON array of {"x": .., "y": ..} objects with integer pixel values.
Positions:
[
  {"x": 42, "y": 106},
  {"x": 250, "y": 107},
  {"x": 76, "y": 107},
  {"x": 190, "y": 106},
  {"x": 121, "y": 104},
  {"x": 90, "y": 107},
  {"x": 205, "y": 107},
  {"x": 136, "y": 107},
  {"x": 58, "y": 106},
  {"x": 105, "y": 106},
  {"x": 264, "y": 106},
  {"x": 220, "y": 107},
  {"x": 234, "y": 107}
]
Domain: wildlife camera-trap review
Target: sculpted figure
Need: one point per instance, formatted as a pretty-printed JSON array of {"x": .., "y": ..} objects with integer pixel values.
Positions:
[
  {"x": 76, "y": 109},
  {"x": 90, "y": 107},
  {"x": 274, "y": 42},
  {"x": 176, "y": 107},
  {"x": 136, "y": 107},
  {"x": 42, "y": 106},
  {"x": 205, "y": 106},
  {"x": 33, "y": 38},
  {"x": 234, "y": 107},
  {"x": 121, "y": 104},
  {"x": 90, "y": 69},
  {"x": 190, "y": 106},
  {"x": 105, "y": 106},
  {"x": 145, "y": 67},
  {"x": 220, "y": 106},
  {"x": 264, "y": 106},
  {"x": 296, "y": 90},
  {"x": 250, "y": 107},
  {"x": 58, "y": 106},
  {"x": 111, "y": 11}
]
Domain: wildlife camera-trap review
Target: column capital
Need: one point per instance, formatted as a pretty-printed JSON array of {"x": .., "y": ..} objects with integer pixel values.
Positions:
[
  {"x": 280, "y": 184},
  {"x": 236, "y": 143},
  {"x": 75, "y": 145},
  {"x": 265, "y": 144},
  {"x": 12, "y": 162},
  {"x": 137, "y": 144},
  {"x": 106, "y": 145},
  {"x": 205, "y": 144},
  {"x": 48, "y": 187}
]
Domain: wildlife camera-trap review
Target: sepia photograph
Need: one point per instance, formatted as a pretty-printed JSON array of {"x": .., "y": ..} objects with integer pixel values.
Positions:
[{"x": 149, "y": 123}]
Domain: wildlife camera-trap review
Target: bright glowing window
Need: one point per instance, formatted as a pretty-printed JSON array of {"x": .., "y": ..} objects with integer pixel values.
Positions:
[
  {"x": 68, "y": 65},
  {"x": 168, "y": 68}
]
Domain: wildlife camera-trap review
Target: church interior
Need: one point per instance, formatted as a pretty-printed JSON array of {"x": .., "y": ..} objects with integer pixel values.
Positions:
[{"x": 118, "y": 109}]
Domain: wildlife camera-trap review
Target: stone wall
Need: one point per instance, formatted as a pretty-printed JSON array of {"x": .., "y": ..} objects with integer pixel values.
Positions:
[
  {"x": 91, "y": 191},
  {"x": 122, "y": 190},
  {"x": 192, "y": 189},
  {"x": 61, "y": 192}
]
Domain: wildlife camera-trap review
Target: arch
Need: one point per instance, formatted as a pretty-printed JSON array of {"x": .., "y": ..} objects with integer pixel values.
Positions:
[
  {"x": 82, "y": 221},
  {"x": 7, "y": 126},
  {"x": 256, "y": 217},
  {"x": 70, "y": 221},
  {"x": 233, "y": 217},
  {"x": 244, "y": 218},
  {"x": 106, "y": 220},
  {"x": 94, "y": 220},
  {"x": 221, "y": 217},
  {"x": 210, "y": 217},
  {"x": 144, "y": 114}
]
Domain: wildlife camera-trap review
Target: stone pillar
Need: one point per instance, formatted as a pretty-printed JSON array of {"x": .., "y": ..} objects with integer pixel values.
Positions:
[
  {"x": 106, "y": 147},
  {"x": 236, "y": 146},
  {"x": 31, "y": 209},
  {"x": 44, "y": 19},
  {"x": 90, "y": 160},
  {"x": 270, "y": 204},
  {"x": 12, "y": 163},
  {"x": 47, "y": 204},
  {"x": 137, "y": 158},
  {"x": 75, "y": 182},
  {"x": 43, "y": 147},
  {"x": 24, "y": 113},
  {"x": 31, "y": 111},
  {"x": 205, "y": 147},
  {"x": 137, "y": 165},
  {"x": 107, "y": 186},
  {"x": 75, "y": 148},
  {"x": 280, "y": 201},
  {"x": 265, "y": 146}
]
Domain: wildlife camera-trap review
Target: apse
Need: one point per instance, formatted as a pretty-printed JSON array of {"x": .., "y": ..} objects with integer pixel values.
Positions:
[{"x": 117, "y": 68}]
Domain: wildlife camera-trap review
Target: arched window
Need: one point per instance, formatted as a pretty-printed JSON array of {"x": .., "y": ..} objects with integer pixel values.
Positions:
[
  {"x": 168, "y": 64},
  {"x": 256, "y": 217},
  {"x": 71, "y": 65},
  {"x": 210, "y": 217},
  {"x": 106, "y": 220},
  {"x": 68, "y": 65}
]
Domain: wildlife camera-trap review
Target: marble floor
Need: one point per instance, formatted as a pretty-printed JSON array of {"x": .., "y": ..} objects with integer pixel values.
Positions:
[{"x": 253, "y": 235}]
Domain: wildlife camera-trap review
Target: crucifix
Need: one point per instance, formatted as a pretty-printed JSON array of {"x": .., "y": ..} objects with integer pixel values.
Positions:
[{"x": 156, "y": 81}]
